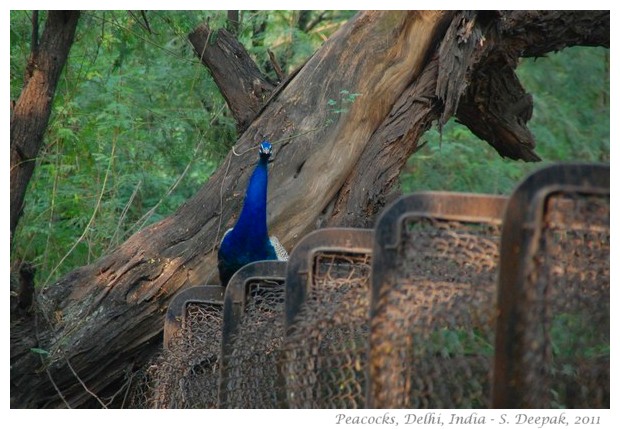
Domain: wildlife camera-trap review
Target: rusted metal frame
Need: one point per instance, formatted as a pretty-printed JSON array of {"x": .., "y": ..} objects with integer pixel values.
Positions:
[
  {"x": 449, "y": 206},
  {"x": 235, "y": 301},
  {"x": 300, "y": 269},
  {"x": 177, "y": 309},
  {"x": 521, "y": 232},
  {"x": 300, "y": 263}
]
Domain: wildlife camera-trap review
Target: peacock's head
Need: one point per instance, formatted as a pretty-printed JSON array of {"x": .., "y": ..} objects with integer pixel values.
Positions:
[{"x": 264, "y": 150}]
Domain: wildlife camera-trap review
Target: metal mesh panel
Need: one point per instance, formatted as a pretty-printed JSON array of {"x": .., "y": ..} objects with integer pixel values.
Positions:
[
  {"x": 554, "y": 347},
  {"x": 185, "y": 374},
  {"x": 325, "y": 350},
  {"x": 434, "y": 302},
  {"x": 569, "y": 305},
  {"x": 327, "y": 302},
  {"x": 138, "y": 393},
  {"x": 442, "y": 307},
  {"x": 250, "y": 377},
  {"x": 425, "y": 334}
]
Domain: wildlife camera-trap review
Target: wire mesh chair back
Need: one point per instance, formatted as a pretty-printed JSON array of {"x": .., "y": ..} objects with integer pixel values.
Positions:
[
  {"x": 553, "y": 342},
  {"x": 184, "y": 375},
  {"x": 252, "y": 337},
  {"x": 327, "y": 302},
  {"x": 433, "y": 301}
]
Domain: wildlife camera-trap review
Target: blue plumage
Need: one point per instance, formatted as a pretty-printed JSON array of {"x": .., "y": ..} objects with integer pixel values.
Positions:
[{"x": 248, "y": 240}]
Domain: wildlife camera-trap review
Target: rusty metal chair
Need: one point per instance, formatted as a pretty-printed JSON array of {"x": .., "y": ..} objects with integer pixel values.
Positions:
[
  {"x": 211, "y": 297},
  {"x": 433, "y": 301},
  {"x": 325, "y": 347},
  {"x": 553, "y": 331},
  {"x": 252, "y": 335},
  {"x": 178, "y": 378}
]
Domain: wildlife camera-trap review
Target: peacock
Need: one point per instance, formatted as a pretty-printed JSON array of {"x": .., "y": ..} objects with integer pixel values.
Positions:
[{"x": 248, "y": 240}]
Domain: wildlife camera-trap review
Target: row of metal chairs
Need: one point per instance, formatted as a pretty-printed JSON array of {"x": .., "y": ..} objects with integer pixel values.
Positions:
[{"x": 453, "y": 300}]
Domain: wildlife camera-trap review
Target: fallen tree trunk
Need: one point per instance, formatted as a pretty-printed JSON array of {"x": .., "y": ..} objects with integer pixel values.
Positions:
[{"x": 332, "y": 166}]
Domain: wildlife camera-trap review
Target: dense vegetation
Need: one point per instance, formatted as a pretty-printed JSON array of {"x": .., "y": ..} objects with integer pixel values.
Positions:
[{"x": 138, "y": 125}]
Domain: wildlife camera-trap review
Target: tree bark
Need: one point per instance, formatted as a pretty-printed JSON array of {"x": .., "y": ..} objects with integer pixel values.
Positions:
[
  {"x": 233, "y": 22},
  {"x": 333, "y": 165},
  {"x": 33, "y": 108}
]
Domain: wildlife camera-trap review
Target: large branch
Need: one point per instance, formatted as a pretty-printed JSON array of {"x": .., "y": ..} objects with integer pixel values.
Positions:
[
  {"x": 33, "y": 108},
  {"x": 477, "y": 83},
  {"x": 536, "y": 33},
  {"x": 496, "y": 108},
  {"x": 479, "y": 55},
  {"x": 471, "y": 77},
  {"x": 242, "y": 84},
  {"x": 478, "y": 88}
]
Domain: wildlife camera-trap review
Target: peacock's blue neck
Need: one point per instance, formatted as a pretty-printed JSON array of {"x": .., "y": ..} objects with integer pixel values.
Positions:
[
  {"x": 252, "y": 222},
  {"x": 248, "y": 240}
]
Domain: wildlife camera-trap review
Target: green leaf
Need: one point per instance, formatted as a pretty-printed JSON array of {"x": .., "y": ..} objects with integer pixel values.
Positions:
[{"x": 39, "y": 351}]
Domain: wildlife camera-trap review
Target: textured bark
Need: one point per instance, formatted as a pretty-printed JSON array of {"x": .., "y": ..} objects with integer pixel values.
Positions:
[
  {"x": 33, "y": 108},
  {"x": 536, "y": 33},
  {"x": 367, "y": 189},
  {"x": 478, "y": 84},
  {"x": 497, "y": 109},
  {"x": 330, "y": 167}
]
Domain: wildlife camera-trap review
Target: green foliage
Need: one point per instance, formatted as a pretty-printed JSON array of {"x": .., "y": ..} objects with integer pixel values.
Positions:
[
  {"x": 570, "y": 123},
  {"x": 573, "y": 337},
  {"x": 132, "y": 135},
  {"x": 284, "y": 33},
  {"x": 446, "y": 342},
  {"x": 20, "y": 49},
  {"x": 39, "y": 351},
  {"x": 340, "y": 106}
]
